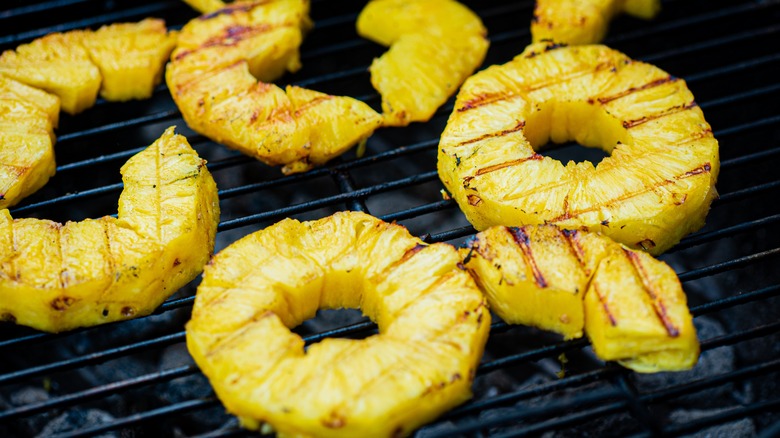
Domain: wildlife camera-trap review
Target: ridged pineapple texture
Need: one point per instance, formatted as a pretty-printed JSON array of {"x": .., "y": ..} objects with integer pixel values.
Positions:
[
  {"x": 434, "y": 46},
  {"x": 56, "y": 277},
  {"x": 433, "y": 324},
  {"x": 27, "y": 120},
  {"x": 583, "y": 21},
  {"x": 631, "y": 306},
  {"x": 121, "y": 61},
  {"x": 656, "y": 186},
  {"x": 213, "y": 77}
]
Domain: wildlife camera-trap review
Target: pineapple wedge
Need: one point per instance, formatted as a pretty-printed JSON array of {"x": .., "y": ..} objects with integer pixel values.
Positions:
[
  {"x": 56, "y": 277},
  {"x": 213, "y": 78},
  {"x": 46, "y": 102},
  {"x": 122, "y": 61},
  {"x": 656, "y": 186},
  {"x": 26, "y": 145},
  {"x": 631, "y": 305},
  {"x": 583, "y": 21},
  {"x": 434, "y": 46},
  {"x": 432, "y": 320},
  {"x": 130, "y": 57}
]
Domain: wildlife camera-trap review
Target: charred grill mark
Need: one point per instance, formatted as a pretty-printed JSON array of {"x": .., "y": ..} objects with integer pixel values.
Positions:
[
  {"x": 520, "y": 125},
  {"x": 493, "y": 168},
  {"x": 624, "y": 93},
  {"x": 604, "y": 306},
  {"x": 411, "y": 252},
  {"x": 62, "y": 303},
  {"x": 572, "y": 237},
  {"x": 658, "y": 305},
  {"x": 484, "y": 99},
  {"x": 474, "y": 200},
  {"x": 705, "y": 168},
  {"x": 628, "y": 124},
  {"x": 314, "y": 102},
  {"x": 524, "y": 242}
]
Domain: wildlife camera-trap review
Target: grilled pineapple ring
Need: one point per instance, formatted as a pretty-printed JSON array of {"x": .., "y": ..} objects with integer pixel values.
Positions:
[
  {"x": 656, "y": 186},
  {"x": 434, "y": 46},
  {"x": 583, "y": 21},
  {"x": 631, "y": 305},
  {"x": 213, "y": 78},
  {"x": 56, "y": 277},
  {"x": 432, "y": 328}
]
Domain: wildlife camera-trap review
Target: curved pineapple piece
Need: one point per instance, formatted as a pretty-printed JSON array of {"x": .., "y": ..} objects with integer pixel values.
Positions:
[
  {"x": 434, "y": 46},
  {"x": 46, "y": 102},
  {"x": 583, "y": 21},
  {"x": 56, "y": 277},
  {"x": 122, "y": 61},
  {"x": 634, "y": 308},
  {"x": 432, "y": 321},
  {"x": 26, "y": 147},
  {"x": 656, "y": 186},
  {"x": 213, "y": 77}
]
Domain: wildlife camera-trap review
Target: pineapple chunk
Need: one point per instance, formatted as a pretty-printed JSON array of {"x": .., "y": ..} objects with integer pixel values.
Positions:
[
  {"x": 57, "y": 63},
  {"x": 131, "y": 57},
  {"x": 583, "y": 21},
  {"x": 122, "y": 61},
  {"x": 56, "y": 277},
  {"x": 432, "y": 320},
  {"x": 656, "y": 186},
  {"x": 636, "y": 313},
  {"x": 434, "y": 46},
  {"x": 631, "y": 305},
  {"x": 213, "y": 78},
  {"x": 206, "y": 6},
  {"x": 46, "y": 102},
  {"x": 26, "y": 145}
]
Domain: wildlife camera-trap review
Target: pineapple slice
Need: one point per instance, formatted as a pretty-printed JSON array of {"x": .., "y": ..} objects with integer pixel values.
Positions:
[
  {"x": 432, "y": 321},
  {"x": 213, "y": 77},
  {"x": 631, "y": 305},
  {"x": 56, "y": 277},
  {"x": 583, "y": 21},
  {"x": 656, "y": 186},
  {"x": 122, "y": 61},
  {"x": 48, "y": 103},
  {"x": 131, "y": 57},
  {"x": 26, "y": 144},
  {"x": 434, "y": 46}
]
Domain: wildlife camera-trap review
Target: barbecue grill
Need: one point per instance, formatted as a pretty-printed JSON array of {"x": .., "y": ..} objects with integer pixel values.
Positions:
[{"x": 134, "y": 378}]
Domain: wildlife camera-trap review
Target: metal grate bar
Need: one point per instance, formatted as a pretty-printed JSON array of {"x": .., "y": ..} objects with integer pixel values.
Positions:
[
  {"x": 39, "y": 7},
  {"x": 701, "y": 238},
  {"x": 735, "y": 263},
  {"x": 764, "y": 32}
]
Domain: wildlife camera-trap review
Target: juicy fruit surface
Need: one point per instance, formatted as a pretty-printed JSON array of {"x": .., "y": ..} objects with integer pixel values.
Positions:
[
  {"x": 213, "y": 77},
  {"x": 206, "y": 6},
  {"x": 122, "y": 61},
  {"x": 432, "y": 321},
  {"x": 631, "y": 306},
  {"x": 656, "y": 186},
  {"x": 26, "y": 146},
  {"x": 583, "y": 21},
  {"x": 434, "y": 46},
  {"x": 57, "y": 277}
]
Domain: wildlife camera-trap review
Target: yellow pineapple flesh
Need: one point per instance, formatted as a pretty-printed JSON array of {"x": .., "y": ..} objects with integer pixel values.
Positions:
[
  {"x": 121, "y": 61},
  {"x": 432, "y": 321},
  {"x": 26, "y": 147},
  {"x": 583, "y": 21},
  {"x": 46, "y": 102},
  {"x": 213, "y": 78},
  {"x": 57, "y": 63},
  {"x": 631, "y": 306},
  {"x": 434, "y": 46},
  {"x": 656, "y": 186},
  {"x": 57, "y": 277},
  {"x": 206, "y": 6},
  {"x": 131, "y": 57}
]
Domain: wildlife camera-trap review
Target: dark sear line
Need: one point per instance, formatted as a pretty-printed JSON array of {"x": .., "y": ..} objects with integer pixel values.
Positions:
[
  {"x": 624, "y": 93},
  {"x": 520, "y": 125},
  {"x": 628, "y": 124},
  {"x": 524, "y": 242},
  {"x": 604, "y": 305},
  {"x": 572, "y": 237},
  {"x": 658, "y": 305}
]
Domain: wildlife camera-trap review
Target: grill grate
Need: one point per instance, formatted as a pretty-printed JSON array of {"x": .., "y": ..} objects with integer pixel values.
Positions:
[{"x": 721, "y": 49}]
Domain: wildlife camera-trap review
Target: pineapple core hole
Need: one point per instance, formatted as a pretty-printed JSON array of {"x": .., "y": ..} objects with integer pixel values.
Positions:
[
  {"x": 330, "y": 319},
  {"x": 586, "y": 131}
]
